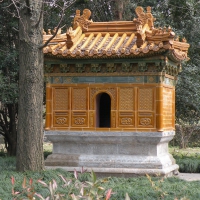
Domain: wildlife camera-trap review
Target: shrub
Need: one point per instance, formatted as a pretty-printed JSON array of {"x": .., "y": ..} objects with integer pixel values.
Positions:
[
  {"x": 186, "y": 136},
  {"x": 75, "y": 189},
  {"x": 188, "y": 164}
]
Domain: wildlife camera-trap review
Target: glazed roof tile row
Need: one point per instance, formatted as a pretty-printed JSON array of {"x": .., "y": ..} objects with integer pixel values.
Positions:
[{"x": 137, "y": 38}]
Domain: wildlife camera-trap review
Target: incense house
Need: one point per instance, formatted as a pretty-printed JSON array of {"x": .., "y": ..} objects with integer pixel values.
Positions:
[{"x": 110, "y": 95}]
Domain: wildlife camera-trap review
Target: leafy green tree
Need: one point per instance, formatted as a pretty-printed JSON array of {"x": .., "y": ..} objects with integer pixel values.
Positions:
[
  {"x": 8, "y": 77},
  {"x": 186, "y": 19}
]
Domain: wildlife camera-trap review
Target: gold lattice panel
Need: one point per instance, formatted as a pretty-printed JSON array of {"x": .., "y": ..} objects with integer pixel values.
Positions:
[
  {"x": 126, "y": 99},
  {"x": 145, "y": 99},
  {"x": 79, "y": 99},
  {"x": 61, "y": 100},
  {"x": 167, "y": 107},
  {"x": 110, "y": 91}
]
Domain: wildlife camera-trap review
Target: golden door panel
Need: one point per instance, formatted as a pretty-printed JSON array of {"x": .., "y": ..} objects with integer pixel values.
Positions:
[
  {"x": 61, "y": 119},
  {"x": 126, "y": 98},
  {"x": 60, "y": 99},
  {"x": 146, "y": 99},
  {"x": 126, "y": 119},
  {"x": 146, "y": 120},
  {"x": 79, "y": 99},
  {"x": 79, "y": 119}
]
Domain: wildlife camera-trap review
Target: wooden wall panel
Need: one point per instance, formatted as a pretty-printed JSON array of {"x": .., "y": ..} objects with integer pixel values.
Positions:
[
  {"x": 167, "y": 107},
  {"x": 61, "y": 119},
  {"x": 145, "y": 99},
  {"x": 159, "y": 108},
  {"x": 80, "y": 119},
  {"x": 61, "y": 99},
  {"x": 91, "y": 118},
  {"x": 49, "y": 107},
  {"x": 113, "y": 119},
  {"x": 126, "y": 115},
  {"x": 79, "y": 99},
  {"x": 145, "y": 120},
  {"x": 126, "y": 119},
  {"x": 133, "y": 107},
  {"x": 146, "y": 108},
  {"x": 126, "y": 99},
  {"x": 60, "y": 107}
]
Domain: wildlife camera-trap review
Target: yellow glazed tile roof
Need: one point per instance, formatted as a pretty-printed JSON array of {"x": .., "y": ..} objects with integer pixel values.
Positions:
[{"x": 137, "y": 38}]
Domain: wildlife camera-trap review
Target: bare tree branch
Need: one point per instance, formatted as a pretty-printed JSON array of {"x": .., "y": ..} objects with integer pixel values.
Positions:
[
  {"x": 15, "y": 29},
  {"x": 1, "y": 132},
  {"x": 17, "y": 9},
  {"x": 58, "y": 26},
  {"x": 55, "y": 33},
  {"x": 3, "y": 51},
  {"x": 3, "y": 125}
]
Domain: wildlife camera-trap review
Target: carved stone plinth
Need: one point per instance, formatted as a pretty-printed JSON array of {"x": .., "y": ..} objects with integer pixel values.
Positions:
[{"x": 112, "y": 153}]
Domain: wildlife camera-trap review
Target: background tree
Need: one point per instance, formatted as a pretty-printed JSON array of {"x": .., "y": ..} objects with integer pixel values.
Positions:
[
  {"x": 8, "y": 77},
  {"x": 186, "y": 19}
]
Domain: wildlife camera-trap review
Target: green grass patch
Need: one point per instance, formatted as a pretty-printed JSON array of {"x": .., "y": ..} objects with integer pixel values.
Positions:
[
  {"x": 189, "y": 152},
  {"x": 139, "y": 188},
  {"x": 188, "y": 159}
]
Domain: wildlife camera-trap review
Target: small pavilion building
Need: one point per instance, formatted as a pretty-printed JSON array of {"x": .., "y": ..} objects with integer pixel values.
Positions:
[{"x": 110, "y": 95}]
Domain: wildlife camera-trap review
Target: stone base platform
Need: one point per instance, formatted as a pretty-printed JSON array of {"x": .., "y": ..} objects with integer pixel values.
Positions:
[{"x": 112, "y": 153}]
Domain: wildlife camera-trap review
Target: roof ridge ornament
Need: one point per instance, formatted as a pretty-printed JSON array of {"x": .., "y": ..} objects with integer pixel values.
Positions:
[
  {"x": 82, "y": 20},
  {"x": 144, "y": 18}
]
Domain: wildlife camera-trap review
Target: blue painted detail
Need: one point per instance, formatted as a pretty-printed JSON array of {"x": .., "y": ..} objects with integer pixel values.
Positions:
[
  {"x": 67, "y": 79},
  {"x": 57, "y": 80},
  {"x": 120, "y": 79},
  {"x": 139, "y": 79},
  {"x": 103, "y": 79},
  {"x": 75, "y": 80},
  {"x": 108, "y": 79},
  {"x": 86, "y": 79},
  {"x": 131, "y": 79}
]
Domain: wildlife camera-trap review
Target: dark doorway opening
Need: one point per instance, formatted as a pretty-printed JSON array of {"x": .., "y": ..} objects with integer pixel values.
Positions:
[{"x": 103, "y": 108}]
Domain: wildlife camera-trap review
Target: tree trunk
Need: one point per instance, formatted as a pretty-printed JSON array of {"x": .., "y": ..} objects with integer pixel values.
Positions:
[
  {"x": 119, "y": 9},
  {"x": 8, "y": 124},
  {"x": 12, "y": 134},
  {"x": 30, "y": 121}
]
